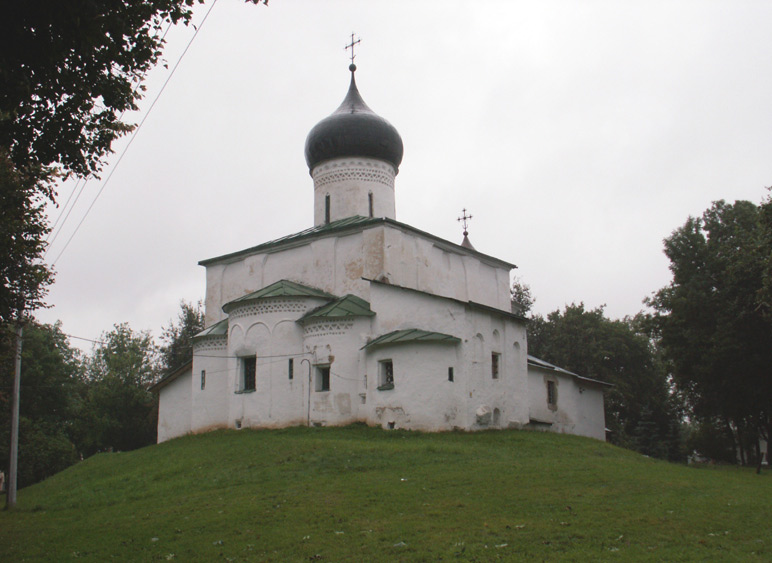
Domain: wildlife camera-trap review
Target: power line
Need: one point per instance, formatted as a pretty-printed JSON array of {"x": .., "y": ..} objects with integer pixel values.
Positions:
[
  {"x": 136, "y": 131},
  {"x": 85, "y": 180},
  {"x": 82, "y": 338},
  {"x": 258, "y": 356},
  {"x": 63, "y": 208},
  {"x": 61, "y": 227}
]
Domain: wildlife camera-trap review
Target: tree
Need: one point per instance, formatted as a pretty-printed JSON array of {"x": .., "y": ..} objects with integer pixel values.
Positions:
[
  {"x": 713, "y": 324},
  {"x": 49, "y": 402},
  {"x": 177, "y": 348},
  {"x": 521, "y": 297},
  {"x": 68, "y": 72},
  {"x": 118, "y": 412},
  {"x": 22, "y": 229},
  {"x": 640, "y": 411},
  {"x": 765, "y": 223}
]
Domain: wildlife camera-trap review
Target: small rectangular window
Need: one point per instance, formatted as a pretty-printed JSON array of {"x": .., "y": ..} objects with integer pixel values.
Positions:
[
  {"x": 450, "y": 374},
  {"x": 495, "y": 358},
  {"x": 291, "y": 368},
  {"x": 249, "y": 373},
  {"x": 203, "y": 379},
  {"x": 385, "y": 375},
  {"x": 370, "y": 202},
  {"x": 552, "y": 394},
  {"x": 327, "y": 209},
  {"x": 322, "y": 378}
]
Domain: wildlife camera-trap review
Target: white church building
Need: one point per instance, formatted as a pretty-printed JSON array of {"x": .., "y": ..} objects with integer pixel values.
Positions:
[{"x": 361, "y": 318}]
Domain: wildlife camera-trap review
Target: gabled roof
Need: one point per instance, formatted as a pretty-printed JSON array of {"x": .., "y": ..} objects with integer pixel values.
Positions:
[
  {"x": 470, "y": 304},
  {"x": 411, "y": 335},
  {"x": 282, "y": 288},
  {"x": 347, "y": 306},
  {"x": 171, "y": 376},
  {"x": 320, "y": 230},
  {"x": 217, "y": 329},
  {"x": 534, "y": 361},
  {"x": 351, "y": 224}
]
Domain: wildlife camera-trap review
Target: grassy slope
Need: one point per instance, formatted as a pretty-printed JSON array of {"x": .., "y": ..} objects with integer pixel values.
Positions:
[{"x": 356, "y": 494}]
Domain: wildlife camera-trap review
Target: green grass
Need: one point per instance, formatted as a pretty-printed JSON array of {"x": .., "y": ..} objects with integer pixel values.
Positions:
[{"x": 364, "y": 494}]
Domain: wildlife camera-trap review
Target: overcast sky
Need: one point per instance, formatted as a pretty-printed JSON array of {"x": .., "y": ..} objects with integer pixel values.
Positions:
[{"x": 578, "y": 134}]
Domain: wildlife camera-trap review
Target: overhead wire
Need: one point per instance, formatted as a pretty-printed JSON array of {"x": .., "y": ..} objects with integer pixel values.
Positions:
[
  {"x": 86, "y": 178},
  {"x": 135, "y": 132},
  {"x": 61, "y": 227},
  {"x": 59, "y": 216},
  {"x": 83, "y": 338}
]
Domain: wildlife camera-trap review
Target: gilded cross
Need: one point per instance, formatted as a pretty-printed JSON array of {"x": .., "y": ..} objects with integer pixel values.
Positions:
[
  {"x": 351, "y": 46},
  {"x": 464, "y": 219}
]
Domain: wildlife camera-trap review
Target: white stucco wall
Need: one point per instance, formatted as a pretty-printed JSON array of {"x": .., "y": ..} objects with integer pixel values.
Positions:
[
  {"x": 268, "y": 330},
  {"x": 508, "y": 393},
  {"x": 481, "y": 334},
  {"x": 422, "y": 263},
  {"x": 209, "y": 406},
  {"x": 336, "y": 344},
  {"x": 174, "y": 408},
  {"x": 349, "y": 183},
  {"x": 422, "y": 398},
  {"x": 579, "y": 408},
  {"x": 338, "y": 264}
]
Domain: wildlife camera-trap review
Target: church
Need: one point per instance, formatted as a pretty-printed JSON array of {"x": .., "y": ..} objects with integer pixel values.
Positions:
[{"x": 361, "y": 318}]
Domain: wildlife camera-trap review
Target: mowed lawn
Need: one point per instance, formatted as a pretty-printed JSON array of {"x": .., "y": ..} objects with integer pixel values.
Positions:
[{"x": 365, "y": 494}]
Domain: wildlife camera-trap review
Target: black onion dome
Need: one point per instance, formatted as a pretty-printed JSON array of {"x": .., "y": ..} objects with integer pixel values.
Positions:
[{"x": 353, "y": 130}]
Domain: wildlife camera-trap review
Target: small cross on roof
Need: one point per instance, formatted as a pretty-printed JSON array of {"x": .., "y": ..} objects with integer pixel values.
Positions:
[
  {"x": 464, "y": 219},
  {"x": 351, "y": 46}
]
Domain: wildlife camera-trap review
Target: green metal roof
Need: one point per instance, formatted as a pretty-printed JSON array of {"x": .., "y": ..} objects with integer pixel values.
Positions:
[
  {"x": 412, "y": 335},
  {"x": 357, "y": 222},
  {"x": 282, "y": 288},
  {"x": 171, "y": 376},
  {"x": 536, "y": 362},
  {"x": 335, "y": 226},
  {"x": 470, "y": 304},
  {"x": 217, "y": 329},
  {"x": 347, "y": 306}
]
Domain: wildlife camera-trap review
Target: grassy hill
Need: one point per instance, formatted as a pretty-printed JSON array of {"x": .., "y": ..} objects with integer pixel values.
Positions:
[{"x": 364, "y": 494}]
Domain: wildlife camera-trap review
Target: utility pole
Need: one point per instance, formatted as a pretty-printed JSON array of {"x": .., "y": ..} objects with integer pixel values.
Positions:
[{"x": 10, "y": 494}]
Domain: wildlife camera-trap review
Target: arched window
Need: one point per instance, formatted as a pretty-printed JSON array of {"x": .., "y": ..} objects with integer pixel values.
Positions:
[
  {"x": 370, "y": 202},
  {"x": 327, "y": 209}
]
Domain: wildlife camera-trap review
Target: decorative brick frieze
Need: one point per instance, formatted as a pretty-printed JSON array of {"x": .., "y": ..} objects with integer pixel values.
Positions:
[
  {"x": 327, "y": 328},
  {"x": 209, "y": 343},
  {"x": 270, "y": 306},
  {"x": 363, "y": 170}
]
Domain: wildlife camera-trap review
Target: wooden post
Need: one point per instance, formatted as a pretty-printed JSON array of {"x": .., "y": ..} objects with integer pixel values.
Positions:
[{"x": 10, "y": 495}]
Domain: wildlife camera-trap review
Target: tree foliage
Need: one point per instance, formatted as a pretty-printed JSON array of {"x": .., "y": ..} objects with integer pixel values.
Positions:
[
  {"x": 765, "y": 255},
  {"x": 70, "y": 69},
  {"x": 50, "y": 387},
  {"x": 521, "y": 297},
  {"x": 640, "y": 412},
  {"x": 177, "y": 338},
  {"x": 74, "y": 406},
  {"x": 713, "y": 318},
  {"x": 22, "y": 231},
  {"x": 118, "y": 411},
  {"x": 68, "y": 73}
]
